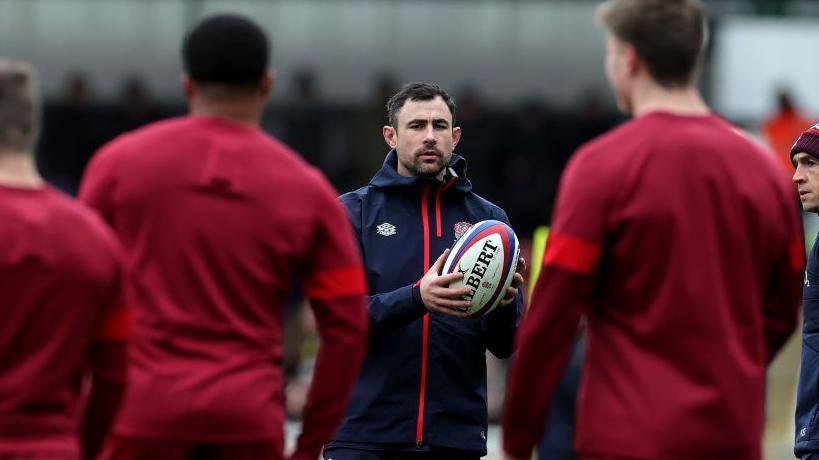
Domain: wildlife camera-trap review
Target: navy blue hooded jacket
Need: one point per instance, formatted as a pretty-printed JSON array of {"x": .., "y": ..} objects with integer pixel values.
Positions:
[
  {"x": 423, "y": 384},
  {"x": 807, "y": 399}
]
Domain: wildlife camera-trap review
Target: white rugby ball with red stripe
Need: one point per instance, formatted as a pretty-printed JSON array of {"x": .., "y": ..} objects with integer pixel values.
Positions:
[{"x": 487, "y": 255}]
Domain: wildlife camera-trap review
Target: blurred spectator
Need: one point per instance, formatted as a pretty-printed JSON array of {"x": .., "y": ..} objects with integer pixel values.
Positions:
[
  {"x": 533, "y": 154},
  {"x": 596, "y": 117},
  {"x": 71, "y": 133},
  {"x": 782, "y": 128},
  {"x": 315, "y": 130},
  {"x": 135, "y": 108},
  {"x": 304, "y": 119},
  {"x": 365, "y": 144},
  {"x": 479, "y": 143}
]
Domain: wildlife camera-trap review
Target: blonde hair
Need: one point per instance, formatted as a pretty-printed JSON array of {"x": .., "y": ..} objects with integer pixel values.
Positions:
[{"x": 19, "y": 106}]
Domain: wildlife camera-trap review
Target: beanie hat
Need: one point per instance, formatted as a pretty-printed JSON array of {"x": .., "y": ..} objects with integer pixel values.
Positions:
[{"x": 808, "y": 142}]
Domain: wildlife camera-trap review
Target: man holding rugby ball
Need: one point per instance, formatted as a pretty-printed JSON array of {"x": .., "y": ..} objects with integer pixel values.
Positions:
[{"x": 423, "y": 386}]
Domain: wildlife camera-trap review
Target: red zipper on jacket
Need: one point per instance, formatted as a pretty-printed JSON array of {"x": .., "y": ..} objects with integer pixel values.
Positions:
[
  {"x": 419, "y": 427},
  {"x": 438, "y": 205}
]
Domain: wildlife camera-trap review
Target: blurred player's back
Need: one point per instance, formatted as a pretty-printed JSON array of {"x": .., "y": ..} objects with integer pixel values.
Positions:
[
  {"x": 61, "y": 280},
  {"x": 685, "y": 316},
  {"x": 58, "y": 277},
  {"x": 679, "y": 239},
  {"x": 216, "y": 218},
  {"x": 218, "y": 221}
]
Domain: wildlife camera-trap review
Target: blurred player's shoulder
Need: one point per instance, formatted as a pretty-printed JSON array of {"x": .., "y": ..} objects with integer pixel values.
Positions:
[
  {"x": 76, "y": 235},
  {"x": 292, "y": 169},
  {"x": 769, "y": 164},
  {"x": 158, "y": 130},
  {"x": 601, "y": 154},
  {"x": 755, "y": 144},
  {"x": 292, "y": 158},
  {"x": 129, "y": 143},
  {"x": 194, "y": 135},
  {"x": 602, "y": 145},
  {"x": 85, "y": 221}
]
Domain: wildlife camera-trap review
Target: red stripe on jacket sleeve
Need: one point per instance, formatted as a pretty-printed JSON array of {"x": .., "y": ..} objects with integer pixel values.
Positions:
[
  {"x": 337, "y": 282},
  {"x": 571, "y": 253},
  {"x": 116, "y": 327}
]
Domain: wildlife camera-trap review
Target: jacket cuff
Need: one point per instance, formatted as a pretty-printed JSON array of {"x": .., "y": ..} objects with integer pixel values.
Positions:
[{"x": 416, "y": 298}]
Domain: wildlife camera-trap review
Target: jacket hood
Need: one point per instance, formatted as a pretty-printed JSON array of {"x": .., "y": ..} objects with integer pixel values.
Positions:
[{"x": 388, "y": 175}]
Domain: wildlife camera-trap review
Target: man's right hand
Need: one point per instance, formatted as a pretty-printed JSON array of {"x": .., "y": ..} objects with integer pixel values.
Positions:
[{"x": 438, "y": 297}]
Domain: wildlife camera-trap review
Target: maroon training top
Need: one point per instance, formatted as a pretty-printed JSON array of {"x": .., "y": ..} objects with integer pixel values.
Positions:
[
  {"x": 218, "y": 221},
  {"x": 61, "y": 300},
  {"x": 680, "y": 240}
]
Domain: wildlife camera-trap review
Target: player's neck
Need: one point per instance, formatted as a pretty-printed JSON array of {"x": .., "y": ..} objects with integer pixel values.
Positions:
[
  {"x": 246, "y": 114},
  {"x": 650, "y": 97},
  {"x": 17, "y": 169}
]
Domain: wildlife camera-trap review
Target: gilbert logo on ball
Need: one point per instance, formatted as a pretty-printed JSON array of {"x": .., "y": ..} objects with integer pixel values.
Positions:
[{"x": 487, "y": 254}]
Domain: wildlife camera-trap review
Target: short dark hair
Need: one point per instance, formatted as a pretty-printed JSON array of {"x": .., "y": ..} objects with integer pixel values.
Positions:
[
  {"x": 668, "y": 35},
  {"x": 226, "y": 49},
  {"x": 417, "y": 92}
]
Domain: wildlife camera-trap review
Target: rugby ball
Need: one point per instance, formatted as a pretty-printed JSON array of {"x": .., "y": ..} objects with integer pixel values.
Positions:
[{"x": 487, "y": 255}]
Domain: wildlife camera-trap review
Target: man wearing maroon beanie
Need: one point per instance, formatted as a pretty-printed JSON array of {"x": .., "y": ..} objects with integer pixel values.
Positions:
[{"x": 805, "y": 157}]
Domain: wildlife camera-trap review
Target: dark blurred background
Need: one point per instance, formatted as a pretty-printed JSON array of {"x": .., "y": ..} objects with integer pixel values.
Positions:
[
  {"x": 527, "y": 77},
  {"x": 515, "y": 154}
]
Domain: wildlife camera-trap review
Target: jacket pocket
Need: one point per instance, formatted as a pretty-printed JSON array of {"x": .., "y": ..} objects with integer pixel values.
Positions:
[{"x": 459, "y": 328}]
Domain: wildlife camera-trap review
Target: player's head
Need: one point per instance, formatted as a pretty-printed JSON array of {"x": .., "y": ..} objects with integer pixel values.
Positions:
[
  {"x": 226, "y": 56},
  {"x": 19, "y": 107},
  {"x": 421, "y": 129},
  {"x": 661, "y": 40},
  {"x": 805, "y": 157}
]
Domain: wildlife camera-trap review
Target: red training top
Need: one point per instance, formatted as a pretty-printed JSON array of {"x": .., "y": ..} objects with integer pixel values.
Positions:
[
  {"x": 680, "y": 240},
  {"x": 61, "y": 312},
  {"x": 219, "y": 221}
]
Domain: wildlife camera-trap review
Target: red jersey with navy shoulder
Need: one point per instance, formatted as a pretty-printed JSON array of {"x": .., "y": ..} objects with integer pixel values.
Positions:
[
  {"x": 680, "y": 241},
  {"x": 61, "y": 295},
  {"x": 218, "y": 221}
]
